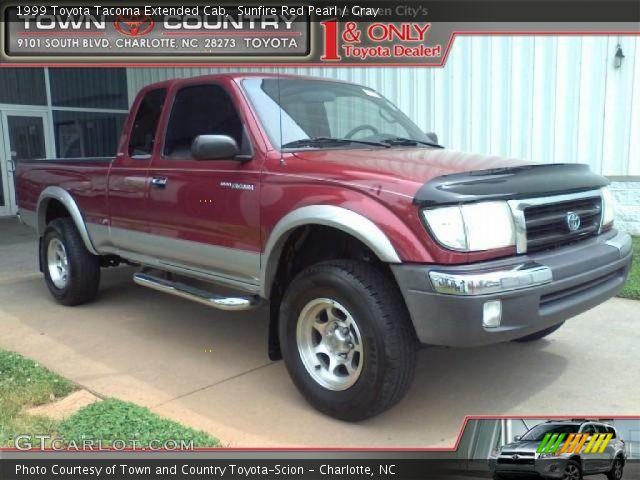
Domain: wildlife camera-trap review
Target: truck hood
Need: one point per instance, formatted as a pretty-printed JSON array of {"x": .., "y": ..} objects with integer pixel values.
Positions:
[
  {"x": 438, "y": 177},
  {"x": 399, "y": 170}
]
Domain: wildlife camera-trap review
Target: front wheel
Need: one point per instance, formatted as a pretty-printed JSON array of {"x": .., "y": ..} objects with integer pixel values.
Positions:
[
  {"x": 572, "y": 471},
  {"x": 347, "y": 339},
  {"x": 71, "y": 272}
]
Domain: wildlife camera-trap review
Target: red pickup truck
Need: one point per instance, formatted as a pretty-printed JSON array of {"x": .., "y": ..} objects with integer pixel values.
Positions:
[{"x": 322, "y": 200}]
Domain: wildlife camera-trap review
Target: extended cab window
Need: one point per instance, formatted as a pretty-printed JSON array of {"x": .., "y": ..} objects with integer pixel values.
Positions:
[
  {"x": 201, "y": 110},
  {"x": 143, "y": 132}
]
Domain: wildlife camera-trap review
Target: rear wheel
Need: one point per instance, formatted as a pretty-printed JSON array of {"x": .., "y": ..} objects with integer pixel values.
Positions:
[
  {"x": 71, "y": 272},
  {"x": 347, "y": 339},
  {"x": 539, "y": 335},
  {"x": 617, "y": 470}
]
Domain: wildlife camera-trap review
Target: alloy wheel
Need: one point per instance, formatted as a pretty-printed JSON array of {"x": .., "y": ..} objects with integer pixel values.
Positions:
[
  {"x": 330, "y": 344},
  {"x": 58, "y": 263},
  {"x": 617, "y": 469},
  {"x": 572, "y": 472}
]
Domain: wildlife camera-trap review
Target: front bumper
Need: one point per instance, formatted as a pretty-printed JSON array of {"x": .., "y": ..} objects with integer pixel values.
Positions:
[
  {"x": 552, "y": 467},
  {"x": 537, "y": 291}
]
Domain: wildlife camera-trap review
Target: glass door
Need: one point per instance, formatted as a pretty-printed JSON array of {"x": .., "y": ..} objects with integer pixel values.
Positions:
[{"x": 24, "y": 136}]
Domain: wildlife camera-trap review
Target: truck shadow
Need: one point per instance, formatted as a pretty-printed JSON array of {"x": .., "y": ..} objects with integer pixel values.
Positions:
[{"x": 450, "y": 382}]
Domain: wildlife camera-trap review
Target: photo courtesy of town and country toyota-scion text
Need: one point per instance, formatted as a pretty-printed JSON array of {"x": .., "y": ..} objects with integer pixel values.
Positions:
[{"x": 313, "y": 240}]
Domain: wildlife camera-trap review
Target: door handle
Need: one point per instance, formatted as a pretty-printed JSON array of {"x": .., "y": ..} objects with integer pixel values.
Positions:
[{"x": 159, "y": 182}]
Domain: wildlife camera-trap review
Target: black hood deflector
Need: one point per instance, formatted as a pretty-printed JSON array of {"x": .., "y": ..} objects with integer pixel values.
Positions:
[{"x": 526, "y": 181}]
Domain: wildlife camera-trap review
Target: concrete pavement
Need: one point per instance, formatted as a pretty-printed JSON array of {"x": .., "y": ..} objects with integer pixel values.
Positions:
[{"x": 210, "y": 370}]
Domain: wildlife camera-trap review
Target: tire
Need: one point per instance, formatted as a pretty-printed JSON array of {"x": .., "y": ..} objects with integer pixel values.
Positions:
[
  {"x": 381, "y": 344},
  {"x": 572, "y": 471},
  {"x": 539, "y": 335},
  {"x": 617, "y": 470},
  {"x": 75, "y": 281}
]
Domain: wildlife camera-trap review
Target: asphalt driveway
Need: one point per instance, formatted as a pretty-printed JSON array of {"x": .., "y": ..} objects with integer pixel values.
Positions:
[{"x": 210, "y": 369}]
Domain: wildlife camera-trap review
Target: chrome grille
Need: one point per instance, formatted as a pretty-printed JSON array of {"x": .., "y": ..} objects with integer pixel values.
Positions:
[
  {"x": 548, "y": 225},
  {"x": 521, "y": 454}
]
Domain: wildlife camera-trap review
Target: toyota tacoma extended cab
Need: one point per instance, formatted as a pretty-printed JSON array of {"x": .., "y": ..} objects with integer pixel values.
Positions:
[{"x": 322, "y": 200}]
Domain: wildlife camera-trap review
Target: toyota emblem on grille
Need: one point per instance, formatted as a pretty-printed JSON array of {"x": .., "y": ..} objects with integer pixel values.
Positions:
[
  {"x": 516, "y": 457},
  {"x": 573, "y": 221}
]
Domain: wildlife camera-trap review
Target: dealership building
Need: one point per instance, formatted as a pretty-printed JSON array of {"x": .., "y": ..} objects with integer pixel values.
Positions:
[{"x": 544, "y": 99}]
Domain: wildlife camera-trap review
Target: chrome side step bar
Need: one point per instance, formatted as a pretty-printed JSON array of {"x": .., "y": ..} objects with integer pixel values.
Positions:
[{"x": 195, "y": 294}]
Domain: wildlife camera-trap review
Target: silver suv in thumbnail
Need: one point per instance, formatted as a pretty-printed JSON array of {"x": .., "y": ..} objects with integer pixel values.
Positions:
[{"x": 565, "y": 450}]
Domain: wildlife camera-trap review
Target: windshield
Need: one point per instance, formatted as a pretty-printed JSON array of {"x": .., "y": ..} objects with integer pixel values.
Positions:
[
  {"x": 307, "y": 109},
  {"x": 537, "y": 433}
]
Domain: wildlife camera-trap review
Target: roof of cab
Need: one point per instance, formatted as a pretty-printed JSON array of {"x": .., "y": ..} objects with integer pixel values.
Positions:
[{"x": 237, "y": 76}]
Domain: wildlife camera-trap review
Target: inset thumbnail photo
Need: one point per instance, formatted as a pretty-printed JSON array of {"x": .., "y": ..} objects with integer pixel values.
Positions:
[{"x": 567, "y": 449}]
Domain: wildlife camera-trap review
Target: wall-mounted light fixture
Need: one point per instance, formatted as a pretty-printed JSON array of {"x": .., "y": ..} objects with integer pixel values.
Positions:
[{"x": 618, "y": 58}]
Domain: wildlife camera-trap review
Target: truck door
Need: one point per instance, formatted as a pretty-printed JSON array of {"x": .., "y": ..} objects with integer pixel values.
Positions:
[
  {"x": 129, "y": 173},
  {"x": 205, "y": 214}
]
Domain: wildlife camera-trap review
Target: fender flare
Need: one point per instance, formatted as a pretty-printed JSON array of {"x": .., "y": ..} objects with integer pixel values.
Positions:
[
  {"x": 65, "y": 198},
  {"x": 340, "y": 218}
]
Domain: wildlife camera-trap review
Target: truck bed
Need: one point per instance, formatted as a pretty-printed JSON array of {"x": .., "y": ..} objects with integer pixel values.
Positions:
[{"x": 84, "y": 178}]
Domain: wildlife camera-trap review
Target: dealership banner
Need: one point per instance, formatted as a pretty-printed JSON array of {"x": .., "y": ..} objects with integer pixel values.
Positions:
[
  {"x": 318, "y": 33},
  {"x": 250, "y": 465},
  {"x": 350, "y": 467}
]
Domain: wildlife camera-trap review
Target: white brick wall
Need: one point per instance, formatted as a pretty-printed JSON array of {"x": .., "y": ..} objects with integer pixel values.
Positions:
[{"x": 627, "y": 196}]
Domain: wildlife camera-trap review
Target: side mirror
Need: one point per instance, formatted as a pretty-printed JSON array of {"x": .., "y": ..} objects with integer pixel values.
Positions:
[
  {"x": 517, "y": 438},
  {"x": 433, "y": 137},
  {"x": 214, "y": 147}
]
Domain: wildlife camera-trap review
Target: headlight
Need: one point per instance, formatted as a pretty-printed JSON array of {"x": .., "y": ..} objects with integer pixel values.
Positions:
[
  {"x": 608, "y": 207},
  {"x": 472, "y": 227},
  {"x": 547, "y": 455}
]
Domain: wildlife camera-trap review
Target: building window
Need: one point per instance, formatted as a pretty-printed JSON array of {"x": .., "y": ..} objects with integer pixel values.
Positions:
[
  {"x": 89, "y": 88},
  {"x": 87, "y": 134},
  {"x": 26, "y": 137},
  {"x": 23, "y": 86}
]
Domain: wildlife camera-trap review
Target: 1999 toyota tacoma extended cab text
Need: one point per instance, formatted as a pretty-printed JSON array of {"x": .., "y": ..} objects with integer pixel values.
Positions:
[{"x": 323, "y": 200}]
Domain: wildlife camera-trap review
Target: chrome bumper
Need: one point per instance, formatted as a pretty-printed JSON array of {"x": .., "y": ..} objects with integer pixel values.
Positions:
[
  {"x": 482, "y": 283},
  {"x": 525, "y": 275}
]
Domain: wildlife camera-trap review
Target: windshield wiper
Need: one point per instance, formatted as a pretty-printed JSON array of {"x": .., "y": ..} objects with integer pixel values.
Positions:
[
  {"x": 409, "y": 141},
  {"x": 327, "y": 141}
]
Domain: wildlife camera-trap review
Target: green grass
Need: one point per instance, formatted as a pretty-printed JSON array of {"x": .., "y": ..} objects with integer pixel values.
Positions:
[
  {"x": 116, "y": 420},
  {"x": 24, "y": 384},
  {"x": 632, "y": 287}
]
